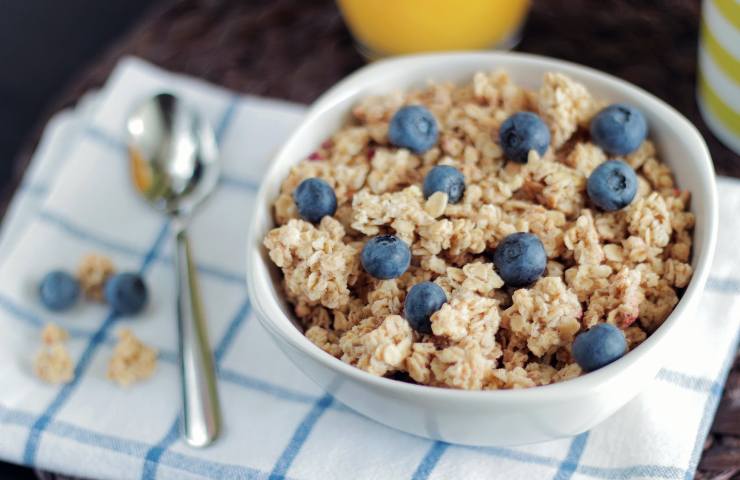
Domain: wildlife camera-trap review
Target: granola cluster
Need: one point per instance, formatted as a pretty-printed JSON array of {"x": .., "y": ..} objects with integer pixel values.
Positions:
[
  {"x": 626, "y": 267},
  {"x": 131, "y": 361},
  {"x": 94, "y": 270},
  {"x": 53, "y": 364}
]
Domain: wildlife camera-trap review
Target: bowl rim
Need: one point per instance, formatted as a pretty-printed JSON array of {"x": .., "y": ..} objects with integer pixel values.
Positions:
[{"x": 345, "y": 88}]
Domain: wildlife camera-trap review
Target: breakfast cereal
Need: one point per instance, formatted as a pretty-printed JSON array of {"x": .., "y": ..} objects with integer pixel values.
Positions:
[{"x": 625, "y": 267}]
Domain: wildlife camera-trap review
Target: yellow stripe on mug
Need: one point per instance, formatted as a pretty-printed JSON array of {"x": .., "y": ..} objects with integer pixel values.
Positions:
[
  {"x": 726, "y": 61},
  {"x": 718, "y": 108},
  {"x": 730, "y": 10},
  {"x": 718, "y": 82}
]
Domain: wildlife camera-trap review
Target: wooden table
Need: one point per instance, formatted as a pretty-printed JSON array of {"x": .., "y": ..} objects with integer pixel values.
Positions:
[{"x": 296, "y": 49}]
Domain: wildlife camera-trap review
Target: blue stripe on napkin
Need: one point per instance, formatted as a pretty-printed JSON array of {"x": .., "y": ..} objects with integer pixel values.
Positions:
[{"x": 153, "y": 456}]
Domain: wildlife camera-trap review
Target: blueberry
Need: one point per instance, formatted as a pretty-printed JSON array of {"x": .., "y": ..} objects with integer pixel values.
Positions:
[
  {"x": 612, "y": 185},
  {"x": 59, "y": 290},
  {"x": 385, "y": 256},
  {"x": 422, "y": 301},
  {"x": 444, "y": 178},
  {"x": 619, "y": 129},
  {"x": 315, "y": 199},
  {"x": 520, "y": 259},
  {"x": 413, "y": 127},
  {"x": 126, "y": 293},
  {"x": 599, "y": 346},
  {"x": 522, "y": 132}
]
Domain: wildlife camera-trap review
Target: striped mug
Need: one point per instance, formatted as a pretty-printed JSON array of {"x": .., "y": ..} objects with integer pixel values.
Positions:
[{"x": 718, "y": 83}]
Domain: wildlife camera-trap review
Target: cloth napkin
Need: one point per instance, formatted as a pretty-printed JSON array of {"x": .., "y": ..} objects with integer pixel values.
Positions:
[{"x": 76, "y": 199}]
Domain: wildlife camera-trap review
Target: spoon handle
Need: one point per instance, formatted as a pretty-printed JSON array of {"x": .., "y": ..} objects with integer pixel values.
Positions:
[{"x": 201, "y": 417}]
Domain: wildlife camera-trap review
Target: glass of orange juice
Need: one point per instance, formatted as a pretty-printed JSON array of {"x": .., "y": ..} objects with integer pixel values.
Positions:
[{"x": 393, "y": 27}]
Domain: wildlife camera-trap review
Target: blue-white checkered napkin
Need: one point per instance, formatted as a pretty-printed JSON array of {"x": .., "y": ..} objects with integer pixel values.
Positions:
[{"x": 76, "y": 199}]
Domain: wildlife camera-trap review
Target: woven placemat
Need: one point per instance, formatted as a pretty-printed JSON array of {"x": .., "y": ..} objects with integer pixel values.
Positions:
[{"x": 296, "y": 49}]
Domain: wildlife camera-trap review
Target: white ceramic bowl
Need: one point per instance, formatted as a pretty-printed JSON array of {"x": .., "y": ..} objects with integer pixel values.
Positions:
[{"x": 491, "y": 418}]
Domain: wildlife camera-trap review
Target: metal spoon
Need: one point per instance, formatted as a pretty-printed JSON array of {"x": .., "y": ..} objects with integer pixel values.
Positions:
[{"x": 174, "y": 166}]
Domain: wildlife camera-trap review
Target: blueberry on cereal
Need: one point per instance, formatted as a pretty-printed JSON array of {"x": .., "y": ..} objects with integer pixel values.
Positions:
[
  {"x": 315, "y": 199},
  {"x": 59, "y": 290},
  {"x": 126, "y": 293},
  {"x": 421, "y": 302},
  {"x": 447, "y": 179},
  {"x": 599, "y": 346},
  {"x": 413, "y": 127},
  {"x": 520, "y": 259},
  {"x": 619, "y": 129},
  {"x": 385, "y": 257},
  {"x": 522, "y": 132},
  {"x": 612, "y": 185}
]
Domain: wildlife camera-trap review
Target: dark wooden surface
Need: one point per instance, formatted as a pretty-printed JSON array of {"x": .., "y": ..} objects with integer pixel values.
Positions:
[
  {"x": 296, "y": 49},
  {"x": 38, "y": 63}
]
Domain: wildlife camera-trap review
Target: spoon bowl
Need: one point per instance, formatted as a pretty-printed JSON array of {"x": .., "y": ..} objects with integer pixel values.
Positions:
[{"x": 174, "y": 156}]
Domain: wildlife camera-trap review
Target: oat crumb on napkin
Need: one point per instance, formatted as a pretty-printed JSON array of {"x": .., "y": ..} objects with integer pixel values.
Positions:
[
  {"x": 132, "y": 360},
  {"x": 93, "y": 272},
  {"x": 53, "y": 363}
]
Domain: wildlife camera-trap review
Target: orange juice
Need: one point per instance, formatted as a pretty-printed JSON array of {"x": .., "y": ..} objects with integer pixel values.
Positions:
[{"x": 391, "y": 27}]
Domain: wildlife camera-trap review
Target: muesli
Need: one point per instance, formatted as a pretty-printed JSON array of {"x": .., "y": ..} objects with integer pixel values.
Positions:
[{"x": 526, "y": 218}]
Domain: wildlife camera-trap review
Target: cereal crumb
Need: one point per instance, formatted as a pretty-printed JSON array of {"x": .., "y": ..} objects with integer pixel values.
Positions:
[
  {"x": 377, "y": 347},
  {"x": 316, "y": 263},
  {"x": 583, "y": 240},
  {"x": 436, "y": 204},
  {"x": 465, "y": 368},
  {"x": 324, "y": 339},
  {"x": 53, "y": 363},
  {"x": 617, "y": 302},
  {"x": 131, "y": 361},
  {"x": 586, "y": 279},
  {"x": 548, "y": 314},
  {"x": 658, "y": 303},
  {"x": 635, "y": 336},
  {"x": 650, "y": 220},
  {"x": 564, "y": 104},
  {"x": 585, "y": 157},
  {"x": 53, "y": 333},
  {"x": 514, "y": 378},
  {"x": 94, "y": 270},
  {"x": 467, "y": 315},
  {"x": 418, "y": 364}
]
